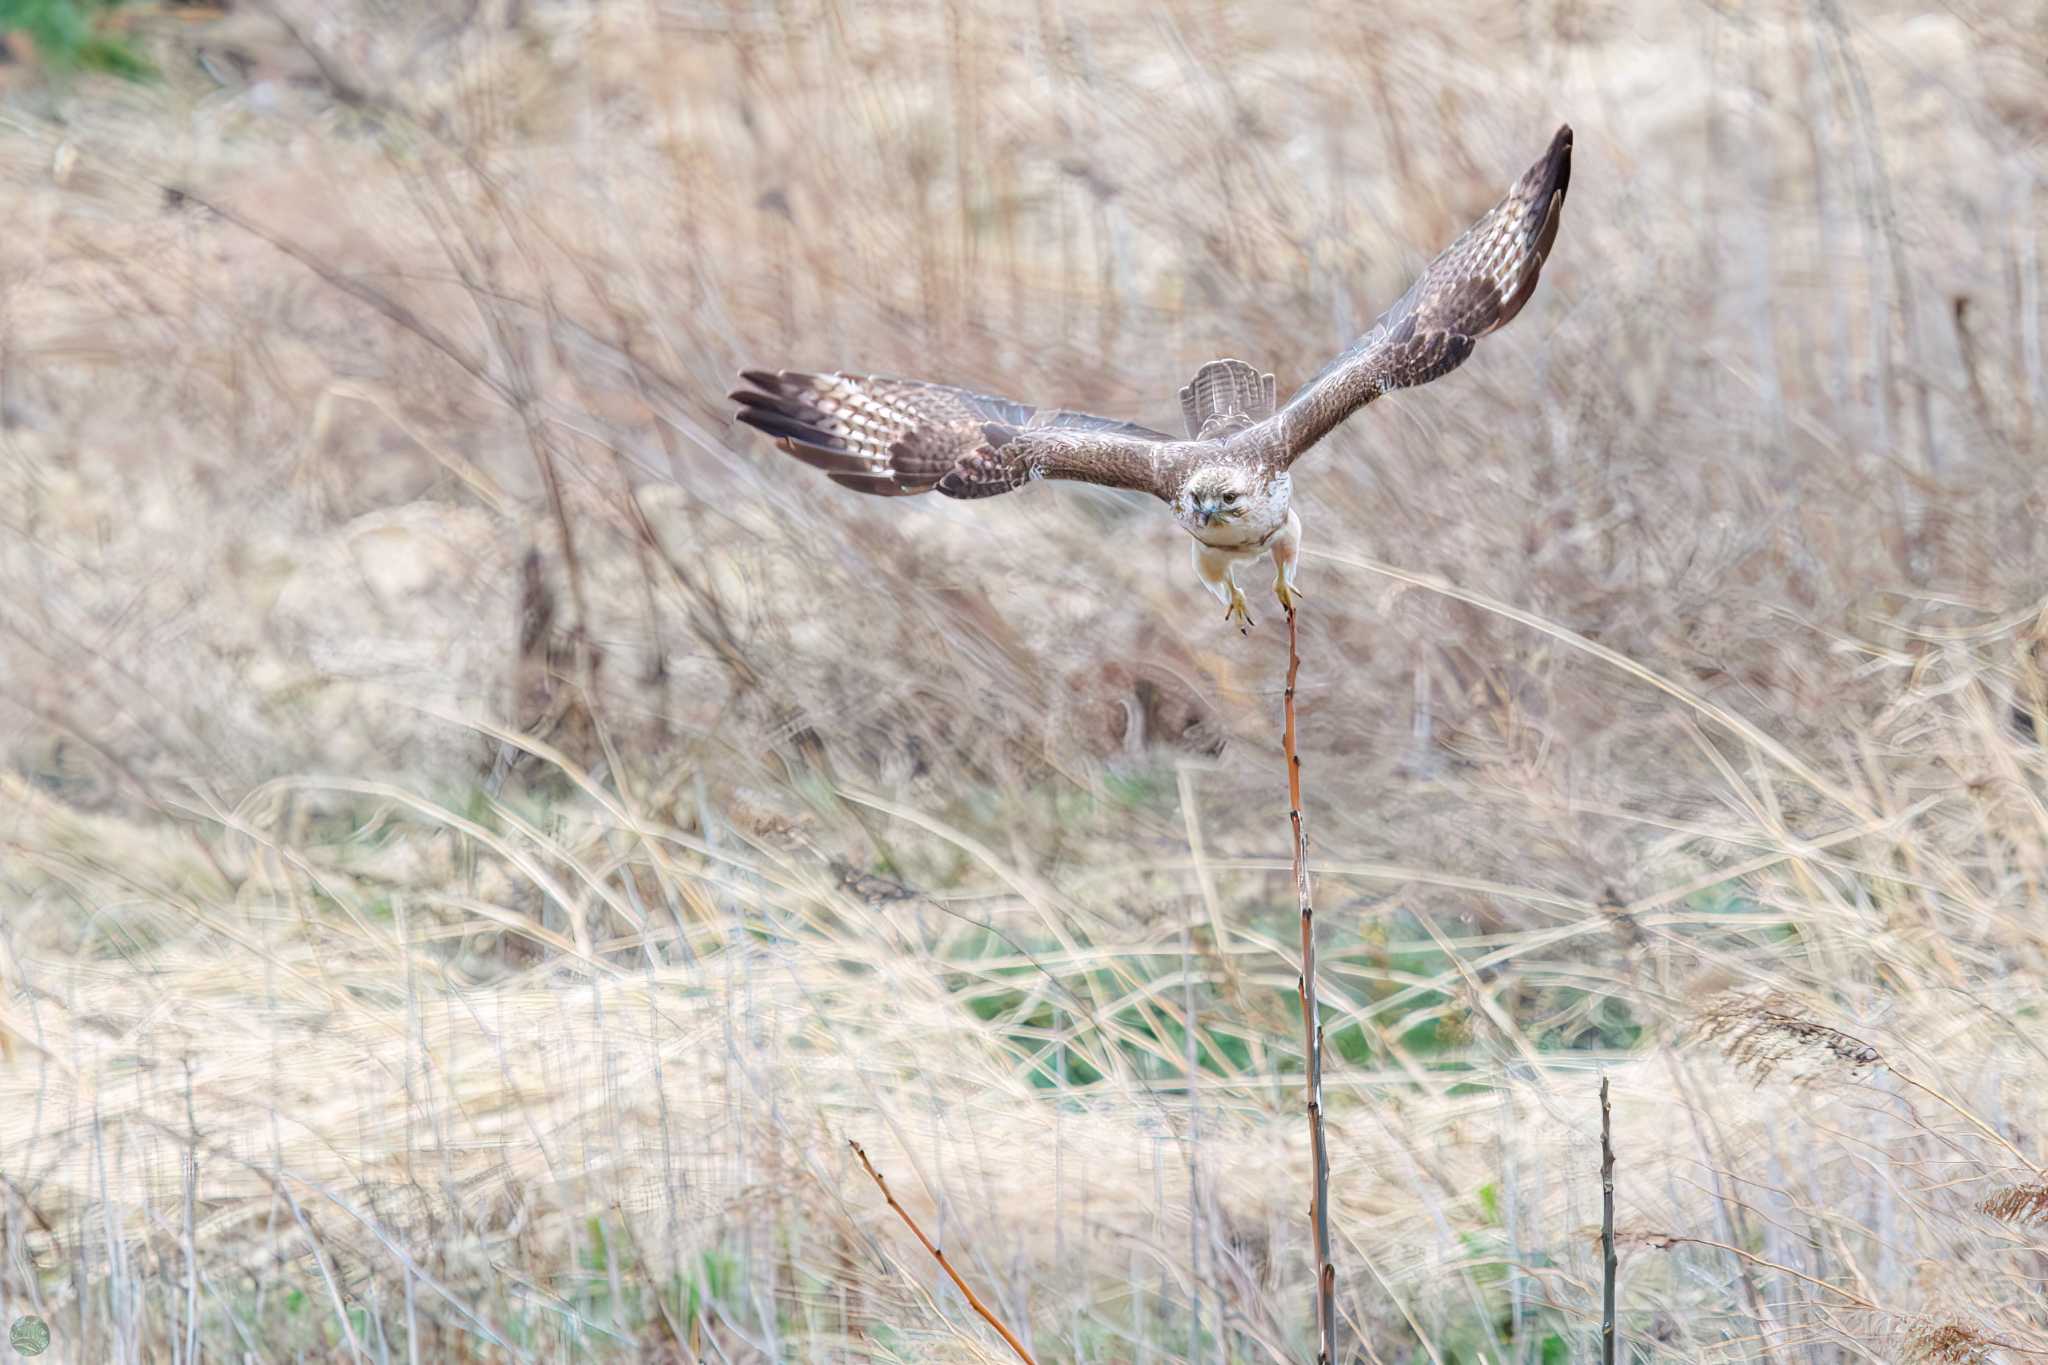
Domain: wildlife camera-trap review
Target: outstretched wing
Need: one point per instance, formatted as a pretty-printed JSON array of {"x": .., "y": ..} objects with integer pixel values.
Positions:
[
  {"x": 896, "y": 437},
  {"x": 1477, "y": 285},
  {"x": 1009, "y": 457}
]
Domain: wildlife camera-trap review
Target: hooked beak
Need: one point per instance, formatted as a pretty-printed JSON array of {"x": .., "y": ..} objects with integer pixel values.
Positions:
[{"x": 1207, "y": 512}]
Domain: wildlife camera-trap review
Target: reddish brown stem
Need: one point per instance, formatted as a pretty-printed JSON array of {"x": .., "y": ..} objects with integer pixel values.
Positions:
[
  {"x": 1311, "y": 1024},
  {"x": 972, "y": 1300},
  {"x": 1607, "y": 1262}
]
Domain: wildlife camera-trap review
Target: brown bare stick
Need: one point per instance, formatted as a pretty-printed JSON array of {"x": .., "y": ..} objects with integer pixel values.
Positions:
[
  {"x": 1607, "y": 1266},
  {"x": 972, "y": 1301},
  {"x": 1311, "y": 1023}
]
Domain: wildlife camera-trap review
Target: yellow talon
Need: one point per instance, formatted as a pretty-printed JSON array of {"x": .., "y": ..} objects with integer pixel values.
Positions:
[
  {"x": 1288, "y": 596},
  {"x": 1239, "y": 611}
]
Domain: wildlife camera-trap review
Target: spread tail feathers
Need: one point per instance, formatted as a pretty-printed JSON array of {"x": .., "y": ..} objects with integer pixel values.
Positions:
[{"x": 1225, "y": 396}]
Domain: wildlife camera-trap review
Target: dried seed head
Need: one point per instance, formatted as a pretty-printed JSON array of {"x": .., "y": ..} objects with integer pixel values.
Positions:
[
  {"x": 1759, "y": 1034},
  {"x": 2018, "y": 1204},
  {"x": 1946, "y": 1343}
]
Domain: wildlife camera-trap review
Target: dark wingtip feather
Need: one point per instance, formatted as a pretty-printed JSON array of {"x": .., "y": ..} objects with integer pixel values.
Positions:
[
  {"x": 1558, "y": 161},
  {"x": 1548, "y": 179},
  {"x": 789, "y": 429},
  {"x": 1558, "y": 178},
  {"x": 766, "y": 402}
]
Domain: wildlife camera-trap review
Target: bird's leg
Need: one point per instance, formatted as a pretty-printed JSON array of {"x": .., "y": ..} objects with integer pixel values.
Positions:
[
  {"x": 1217, "y": 571},
  {"x": 1286, "y": 560}
]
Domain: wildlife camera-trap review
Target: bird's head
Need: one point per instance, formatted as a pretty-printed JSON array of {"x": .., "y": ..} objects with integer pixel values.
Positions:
[{"x": 1214, "y": 495}]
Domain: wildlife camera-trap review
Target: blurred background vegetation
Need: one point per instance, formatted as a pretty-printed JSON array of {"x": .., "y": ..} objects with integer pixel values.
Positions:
[
  {"x": 478, "y": 834},
  {"x": 64, "y": 35}
]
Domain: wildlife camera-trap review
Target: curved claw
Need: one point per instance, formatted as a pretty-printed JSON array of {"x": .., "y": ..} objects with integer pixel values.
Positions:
[{"x": 1289, "y": 596}]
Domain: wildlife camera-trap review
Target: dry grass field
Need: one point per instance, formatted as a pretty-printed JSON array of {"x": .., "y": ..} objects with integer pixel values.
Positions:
[{"x": 480, "y": 833}]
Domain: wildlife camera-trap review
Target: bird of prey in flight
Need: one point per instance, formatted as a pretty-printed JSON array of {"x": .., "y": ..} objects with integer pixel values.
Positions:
[{"x": 1229, "y": 482}]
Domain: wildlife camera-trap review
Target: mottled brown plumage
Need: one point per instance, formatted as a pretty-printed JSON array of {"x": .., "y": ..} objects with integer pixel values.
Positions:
[
  {"x": 894, "y": 437},
  {"x": 1228, "y": 482}
]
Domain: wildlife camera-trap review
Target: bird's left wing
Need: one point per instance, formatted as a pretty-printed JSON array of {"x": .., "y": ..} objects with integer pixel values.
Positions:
[
  {"x": 896, "y": 437},
  {"x": 1476, "y": 286}
]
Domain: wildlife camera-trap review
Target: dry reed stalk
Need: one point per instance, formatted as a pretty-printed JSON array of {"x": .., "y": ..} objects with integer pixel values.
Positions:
[
  {"x": 1607, "y": 1264},
  {"x": 973, "y": 1301},
  {"x": 1311, "y": 1020}
]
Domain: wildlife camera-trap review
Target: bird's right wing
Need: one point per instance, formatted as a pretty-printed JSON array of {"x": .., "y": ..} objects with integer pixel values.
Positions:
[
  {"x": 1476, "y": 286},
  {"x": 896, "y": 437},
  {"x": 1010, "y": 457}
]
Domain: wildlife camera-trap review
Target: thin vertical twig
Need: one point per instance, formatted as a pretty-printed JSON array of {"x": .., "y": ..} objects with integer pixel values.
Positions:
[
  {"x": 973, "y": 1301},
  {"x": 1311, "y": 1022},
  {"x": 1607, "y": 1275},
  {"x": 1192, "y": 1059}
]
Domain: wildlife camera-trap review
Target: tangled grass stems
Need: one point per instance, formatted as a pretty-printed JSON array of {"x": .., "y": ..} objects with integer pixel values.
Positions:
[{"x": 1721, "y": 716}]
